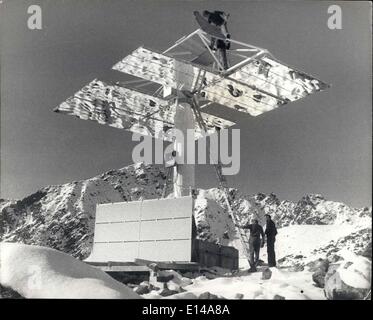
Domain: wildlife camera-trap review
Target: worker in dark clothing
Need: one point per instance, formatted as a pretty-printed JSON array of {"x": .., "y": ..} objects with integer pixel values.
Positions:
[
  {"x": 271, "y": 233},
  {"x": 256, "y": 240},
  {"x": 219, "y": 19}
]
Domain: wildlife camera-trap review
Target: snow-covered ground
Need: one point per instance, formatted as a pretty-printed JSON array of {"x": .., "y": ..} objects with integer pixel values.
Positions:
[
  {"x": 307, "y": 240},
  {"x": 39, "y": 272},
  {"x": 289, "y": 285}
]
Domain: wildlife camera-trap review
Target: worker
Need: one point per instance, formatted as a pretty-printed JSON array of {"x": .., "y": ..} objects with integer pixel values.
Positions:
[
  {"x": 256, "y": 241},
  {"x": 271, "y": 233},
  {"x": 219, "y": 19}
]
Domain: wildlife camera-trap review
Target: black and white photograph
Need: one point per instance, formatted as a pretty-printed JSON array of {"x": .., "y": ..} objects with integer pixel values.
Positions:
[{"x": 192, "y": 150}]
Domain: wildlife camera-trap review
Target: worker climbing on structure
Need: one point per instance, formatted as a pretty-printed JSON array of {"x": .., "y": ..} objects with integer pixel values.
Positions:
[{"x": 219, "y": 32}]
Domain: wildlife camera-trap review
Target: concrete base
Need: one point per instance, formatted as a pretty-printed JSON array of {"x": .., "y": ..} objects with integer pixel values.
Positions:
[{"x": 209, "y": 254}]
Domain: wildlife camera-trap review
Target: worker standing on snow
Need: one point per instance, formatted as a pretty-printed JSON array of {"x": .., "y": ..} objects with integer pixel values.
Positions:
[
  {"x": 256, "y": 240},
  {"x": 271, "y": 233}
]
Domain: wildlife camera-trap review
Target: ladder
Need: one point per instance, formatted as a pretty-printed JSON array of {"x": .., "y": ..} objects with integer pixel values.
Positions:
[
  {"x": 235, "y": 218},
  {"x": 168, "y": 175},
  {"x": 224, "y": 187},
  {"x": 168, "y": 178}
]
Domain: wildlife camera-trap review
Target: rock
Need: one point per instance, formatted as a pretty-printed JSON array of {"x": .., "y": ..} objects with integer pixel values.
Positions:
[
  {"x": 184, "y": 295},
  {"x": 142, "y": 289},
  {"x": 209, "y": 275},
  {"x": 319, "y": 264},
  {"x": 145, "y": 283},
  {"x": 164, "y": 278},
  {"x": 160, "y": 278},
  {"x": 323, "y": 265},
  {"x": 189, "y": 275},
  {"x": 266, "y": 274},
  {"x": 319, "y": 278},
  {"x": 167, "y": 292},
  {"x": 174, "y": 287},
  {"x": 334, "y": 258},
  {"x": 280, "y": 261},
  {"x": 320, "y": 268},
  {"x": 367, "y": 252},
  {"x": 260, "y": 262},
  {"x": 8, "y": 293},
  {"x": 209, "y": 296},
  {"x": 157, "y": 285},
  {"x": 332, "y": 269},
  {"x": 349, "y": 281},
  {"x": 296, "y": 268},
  {"x": 238, "y": 296},
  {"x": 278, "y": 297},
  {"x": 153, "y": 266}
]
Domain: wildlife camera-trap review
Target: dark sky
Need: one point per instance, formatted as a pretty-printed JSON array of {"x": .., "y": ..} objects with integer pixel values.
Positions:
[{"x": 321, "y": 144}]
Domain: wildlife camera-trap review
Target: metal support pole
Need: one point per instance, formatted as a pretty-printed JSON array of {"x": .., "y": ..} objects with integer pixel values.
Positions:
[{"x": 184, "y": 173}]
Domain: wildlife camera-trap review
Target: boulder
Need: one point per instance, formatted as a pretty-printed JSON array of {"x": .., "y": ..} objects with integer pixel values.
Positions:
[
  {"x": 260, "y": 263},
  {"x": 319, "y": 264},
  {"x": 142, "y": 289},
  {"x": 183, "y": 295},
  {"x": 238, "y": 296},
  {"x": 209, "y": 296},
  {"x": 266, "y": 274},
  {"x": 318, "y": 278},
  {"x": 189, "y": 275},
  {"x": 278, "y": 297},
  {"x": 154, "y": 267},
  {"x": 367, "y": 252},
  {"x": 164, "y": 278},
  {"x": 296, "y": 268},
  {"x": 146, "y": 283},
  {"x": 299, "y": 256},
  {"x": 167, "y": 292},
  {"x": 282, "y": 260},
  {"x": 320, "y": 268},
  {"x": 160, "y": 278},
  {"x": 174, "y": 286},
  {"x": 334, "y": 258},
  {"x": 209, "y": 275},
  {"x": 8, "y": 293},
  {"x": 349, "y": 281}
]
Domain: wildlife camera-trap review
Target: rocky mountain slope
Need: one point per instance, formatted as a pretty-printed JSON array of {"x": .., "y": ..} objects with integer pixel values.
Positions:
[{"x": 62, "y": 217}]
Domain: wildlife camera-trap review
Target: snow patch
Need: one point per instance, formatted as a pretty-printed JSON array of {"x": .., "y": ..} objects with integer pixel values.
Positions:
[{"x": 39, "y": 272}]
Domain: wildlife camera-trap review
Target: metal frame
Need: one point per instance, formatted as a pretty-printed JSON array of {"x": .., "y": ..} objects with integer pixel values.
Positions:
[{"x": 203, "y": 36}]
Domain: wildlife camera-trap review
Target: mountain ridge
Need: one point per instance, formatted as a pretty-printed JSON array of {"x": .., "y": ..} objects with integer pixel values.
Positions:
[{"x": 62, "y": 216}]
